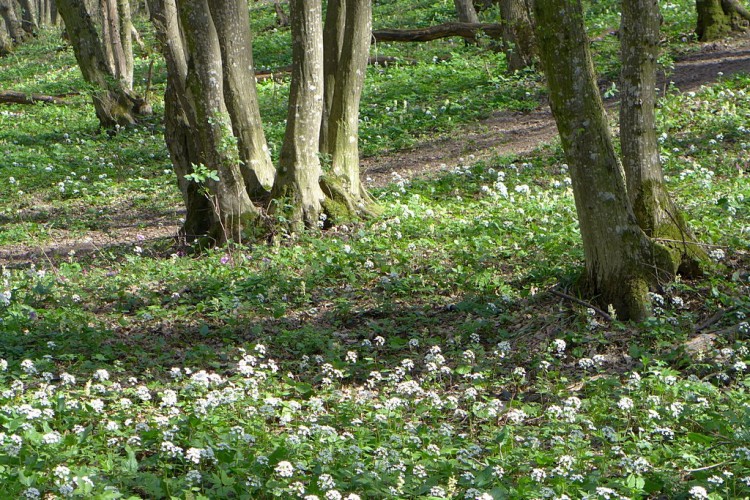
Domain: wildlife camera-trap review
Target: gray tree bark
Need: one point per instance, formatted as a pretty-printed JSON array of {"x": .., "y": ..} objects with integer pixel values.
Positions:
[
  {"x": 654, "y": 209},
  {"x": 233, "y": 211},
  {"x": 619, "y": 257},
  {"x": 297, "y": 191},
  {"x": 517, "y": 34},
  {"x": 233, "y": 29},
  {"x": 126, "y": 42},
  {"x": 6, "y": 44},
  {"x": 12, "y": 22},
  {"x": 115, "y": 104},
  {"x": 342, "y": 184},
  {"x": 28, "y": 17}
]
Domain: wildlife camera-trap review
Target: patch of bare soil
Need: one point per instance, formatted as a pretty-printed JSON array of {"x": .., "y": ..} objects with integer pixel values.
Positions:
[{"x": 503, "y": 133}]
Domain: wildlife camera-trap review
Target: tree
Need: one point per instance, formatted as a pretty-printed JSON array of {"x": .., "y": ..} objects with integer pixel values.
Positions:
[
  {"x": 517, "y": 33},
  {"x": 718, "y": 18},
  {"x": 654, "y": 209},
  {"x": 621, "y": 262},
  {"x": 114, "y": 101},
  {"x": 346, "y": 49},
  {"x": 12, "y": 22}
]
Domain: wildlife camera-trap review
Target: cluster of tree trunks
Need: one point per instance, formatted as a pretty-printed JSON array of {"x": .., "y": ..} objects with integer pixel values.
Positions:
[
  {"x": 21, "y": 19},
  {"x": 622, "y": 211},
  {"x": 213, "y": 124}
]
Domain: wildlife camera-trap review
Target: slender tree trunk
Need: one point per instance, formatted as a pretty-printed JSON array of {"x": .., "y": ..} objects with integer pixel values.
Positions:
[
  {"x": 518, "y": 34},
  {"x": 466, "y": 13},
  {"x": 234, "y": 213},
  {"x": 654, "y": 209},
  {"x": 619, "y": 257},
  {"x": 12, "y": 22},
  {"x": 343, "y": 184},
  {"x": 28, "y": 17},
  {"x": 333, "y": 41},
  {"x": 115, "y": 104},
  {"x": 107, "y": 11},
  {"x": 298, "y": 182},
  {"x": 233, "y": 28},
  {"x": 126, "y": 42}
]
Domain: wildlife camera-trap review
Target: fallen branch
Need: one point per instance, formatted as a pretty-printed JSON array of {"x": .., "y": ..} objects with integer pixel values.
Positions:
[
  {"x": 714, "y": 319},
  {"x": 581, "y": 302},
  {"x": 464, "y": 30},
  {"x": 13, "y": 97}
]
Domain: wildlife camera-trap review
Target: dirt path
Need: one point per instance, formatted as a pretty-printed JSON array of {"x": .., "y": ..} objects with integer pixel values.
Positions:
[
  {"x": 502, "y": 133},
  {"x": 521, "y": 133}
]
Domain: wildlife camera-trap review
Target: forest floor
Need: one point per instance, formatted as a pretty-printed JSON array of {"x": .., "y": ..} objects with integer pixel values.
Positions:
[{"x": 501, "y": 134}]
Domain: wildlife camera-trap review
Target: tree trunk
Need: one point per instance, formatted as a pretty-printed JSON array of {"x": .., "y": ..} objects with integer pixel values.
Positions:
[
  {"x": 28, "y": 17},
  {"x": 298, "y": 184},
  {"x": 126, "y": 42},
  {"x": 654, "y": 209},
  {"x": 333, "y": 41},
  {"x": 343, "y": 185},
  {"x": 233, "y": 28},
  {"x": 718, "y": 18},
  {"x": 184, "y": 146},
  {"x": 517, "y": 34},
  {"x": 233, "y": 212},
  {"x": 115, "y": 104},
  {"x": 445, "y": 30},
  {"x": 6, "y": 44},
  {"x": 466, "y": 13},
  {"x": 281, "y": 18},
  {"x": 12, "y": 23},
  {"x": 619, "y": 257}
]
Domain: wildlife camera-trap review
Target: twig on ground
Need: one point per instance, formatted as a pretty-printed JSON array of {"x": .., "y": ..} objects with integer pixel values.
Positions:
[
  {"x": 713, "y": 319},
  {"x": 581, "y": 302}
]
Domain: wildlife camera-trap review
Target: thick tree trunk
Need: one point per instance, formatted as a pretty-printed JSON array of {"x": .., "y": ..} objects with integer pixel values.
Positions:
[
  {"x": 718, "y": 18},
  {"x": 298, "y": 183},
  {"x": 12, "y": 23},
  {"x": 619, "y": 256},
  {"x": 233, "y": 211},
  {"x": 115, "y": 104},
  {"x": 6, "y": 44},
  {"x": 342, "y": 184},
  {"x": 118, "y": 45},
  {"x": 466, "y": 13},
  {"x": 517, "y": 34},
  {"x": 654, "y": 209},
  {"x": 233, "y": 28},
  {"x": 184, "y": 146}
]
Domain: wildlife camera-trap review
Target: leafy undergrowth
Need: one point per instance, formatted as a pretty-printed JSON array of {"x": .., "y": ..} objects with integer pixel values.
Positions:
[{"x": 420, "y": 354}]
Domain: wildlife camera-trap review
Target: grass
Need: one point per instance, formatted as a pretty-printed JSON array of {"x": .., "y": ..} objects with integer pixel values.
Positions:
[{"x": 415, "y": 355}]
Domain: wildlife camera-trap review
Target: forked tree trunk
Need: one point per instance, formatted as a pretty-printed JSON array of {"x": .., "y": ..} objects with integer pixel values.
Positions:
[
  {"x": 232, "y": 23},
  {"x": 654, "y": 209},
  {"x": 619, "y": 257},
  {"x": 517, "y": 34},
  {"x": 342, "y": 184},
  {"x": 233, "y": 211},
  {"x": 115, "y": 104},
  {"x": 298, "y": 183}
]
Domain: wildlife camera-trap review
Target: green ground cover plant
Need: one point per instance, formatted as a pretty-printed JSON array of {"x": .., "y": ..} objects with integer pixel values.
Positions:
[{"x": 418, "y": 354}]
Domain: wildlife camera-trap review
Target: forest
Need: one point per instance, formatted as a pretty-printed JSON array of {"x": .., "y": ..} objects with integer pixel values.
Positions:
[{"x": 354, "y": 249}]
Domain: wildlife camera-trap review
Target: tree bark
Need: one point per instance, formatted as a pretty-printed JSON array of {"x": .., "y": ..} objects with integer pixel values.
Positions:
[
  {"x": 233, "y": 29},
  {"x": 446, "y": 30},
  {"x": 28, "y": 17},
  {"x": 233, "y": 211},
  {"x": 619, "y": 257},
  {"x": 6, "y": 44},
  {"x": 333, "y": 41},
  {"x": 517, "y": 34},
  {"x": 12, "y": 23},
  {"x": 115, "y": 104},
  {"x": 654, "y": 209},
  {"x": 342, "y": 184},
  {"x": 126, "y": 42},
  {"x": 13, "y": 97},
  {"x": 297, "y": 191},
  {"x": 281, "y": 18},
  {"x": 466, "y": 13},
  {"x": 718, "y": 18}
]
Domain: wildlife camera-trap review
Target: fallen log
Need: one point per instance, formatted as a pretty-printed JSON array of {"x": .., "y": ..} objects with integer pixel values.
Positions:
[
  {"x": 13, "y": 97},
  {"x": 464, "y": 30}
]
